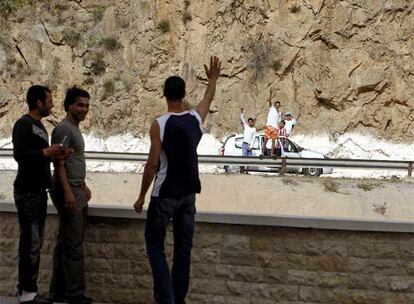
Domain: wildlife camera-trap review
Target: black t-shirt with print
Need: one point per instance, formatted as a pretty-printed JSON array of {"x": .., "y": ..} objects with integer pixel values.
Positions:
[{"x": 29, "y": 139}]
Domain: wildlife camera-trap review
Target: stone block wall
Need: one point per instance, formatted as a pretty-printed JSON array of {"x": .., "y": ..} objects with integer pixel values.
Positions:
[{"x": 236, "y": 264}]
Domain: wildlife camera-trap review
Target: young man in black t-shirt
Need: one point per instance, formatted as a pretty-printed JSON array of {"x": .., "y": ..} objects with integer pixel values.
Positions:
[
  {"x": 32, "y": 152},
  {"x": 173, "y": 162}
]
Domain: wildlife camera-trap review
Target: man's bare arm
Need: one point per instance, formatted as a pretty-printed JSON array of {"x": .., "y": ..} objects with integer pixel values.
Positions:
[
  {"x": 213, "y": 73},
  {"x": 151, "y": 165},
  {"x": 69, "y": 197}
]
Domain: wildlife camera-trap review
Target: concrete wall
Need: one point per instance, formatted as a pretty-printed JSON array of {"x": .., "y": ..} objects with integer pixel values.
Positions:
[{"x": 236, "y": 263}]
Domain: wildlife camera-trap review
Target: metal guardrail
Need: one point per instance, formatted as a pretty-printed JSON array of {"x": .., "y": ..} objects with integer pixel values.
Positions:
[{"x": 282, "y": 162}]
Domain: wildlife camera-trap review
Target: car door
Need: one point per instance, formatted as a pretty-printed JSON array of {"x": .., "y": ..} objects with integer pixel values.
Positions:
[
  {"x": 289, "y": 150},
  {"x": 256, "y": 147}
]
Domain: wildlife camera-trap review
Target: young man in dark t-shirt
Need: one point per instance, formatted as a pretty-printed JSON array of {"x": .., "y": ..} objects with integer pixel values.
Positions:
[
  {"x": 70, "y": 196},
  {"x": 174, "y": 164},
  {"x": 32, "y": 152}
]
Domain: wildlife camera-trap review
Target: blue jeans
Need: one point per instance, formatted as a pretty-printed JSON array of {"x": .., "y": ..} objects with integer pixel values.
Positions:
[
  {"x": 170, "y": 288},
  {"x": 246, "y": 151},
  {"x": 31, "y": 210}
]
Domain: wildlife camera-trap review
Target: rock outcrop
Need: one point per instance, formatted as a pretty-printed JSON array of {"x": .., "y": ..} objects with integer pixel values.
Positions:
[{"x": 338, "y": 65}]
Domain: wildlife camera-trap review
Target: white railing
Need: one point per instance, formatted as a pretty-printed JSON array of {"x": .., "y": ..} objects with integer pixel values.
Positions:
[{"x": 280, "y": 162}]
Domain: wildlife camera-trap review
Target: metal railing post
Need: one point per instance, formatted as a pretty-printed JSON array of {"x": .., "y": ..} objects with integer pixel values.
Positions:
[
  {"x": 410, "y": 169},
  {"x": 283, "y": 167}
]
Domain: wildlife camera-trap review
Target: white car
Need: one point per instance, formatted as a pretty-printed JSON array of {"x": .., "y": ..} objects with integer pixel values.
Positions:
[{"x": 233, "y": 147}]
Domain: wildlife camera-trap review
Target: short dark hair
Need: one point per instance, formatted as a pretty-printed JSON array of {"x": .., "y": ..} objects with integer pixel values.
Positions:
[
  {"x": 35, "y": 93},
  {"x": 72, "y": 94},
  {"x": 284, "y": 122},
  {"x": 174, "y": 88},
  {"x": 250, "y": 119},
  {"x": 277, "y": 101}
]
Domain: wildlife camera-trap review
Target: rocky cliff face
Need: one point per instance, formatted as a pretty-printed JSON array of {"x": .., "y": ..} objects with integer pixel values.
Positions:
[{"x": 338, "y": 65}]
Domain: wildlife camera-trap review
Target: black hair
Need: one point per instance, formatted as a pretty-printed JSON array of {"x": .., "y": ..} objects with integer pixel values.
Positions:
[
  {"x": 284, "y": 122},
  {"x": 72, "y": 94},
  {"x": 250, "y": 119},
  {"x": 277, "y": 101},
  {"x": 174, "y": 88},
  {"x": 35, "y": 93}
]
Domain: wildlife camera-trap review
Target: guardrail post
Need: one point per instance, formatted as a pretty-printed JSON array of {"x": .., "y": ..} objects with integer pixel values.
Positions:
[
  {"x": 282, "y": 170},
  {"x": 410, "y": 169}
]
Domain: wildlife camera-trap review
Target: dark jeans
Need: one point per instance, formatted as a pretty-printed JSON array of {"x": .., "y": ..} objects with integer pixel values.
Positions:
[
  {"x": 170, "y": 288},
  {"x": 68, "y": 277},
  {"x": 31, "y": 209}
]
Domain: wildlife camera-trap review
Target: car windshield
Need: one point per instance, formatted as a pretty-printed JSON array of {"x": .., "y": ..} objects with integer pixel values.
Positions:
[
  {"x": 298, "y": 146},
  {"x": 238, "y": 142}
]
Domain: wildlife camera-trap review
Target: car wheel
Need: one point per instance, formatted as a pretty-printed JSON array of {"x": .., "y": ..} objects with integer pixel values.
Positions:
[{"x": 312, "y": 171}]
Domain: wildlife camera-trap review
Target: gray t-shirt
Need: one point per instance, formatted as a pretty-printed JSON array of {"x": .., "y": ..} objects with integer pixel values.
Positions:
[{"x": 69, "y": 134}]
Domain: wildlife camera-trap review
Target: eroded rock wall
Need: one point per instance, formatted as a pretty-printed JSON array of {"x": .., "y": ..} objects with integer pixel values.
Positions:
[{"x": 340, "y": 66}]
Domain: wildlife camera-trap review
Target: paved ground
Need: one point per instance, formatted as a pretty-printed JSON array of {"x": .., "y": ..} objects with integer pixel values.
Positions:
[
  {"x": 9, "y": 300},
  {"x": 5, "y": 300},
  {"x": 271, "y": 195}
]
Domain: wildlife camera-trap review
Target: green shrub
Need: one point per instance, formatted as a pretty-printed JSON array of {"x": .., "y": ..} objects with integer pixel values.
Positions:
[
  {"x": 367, "y": 185},
  {"x": 71, "y": 37},
  {"x": 109, "y": 86},
  {"x": 98, "y": 13},
  {"x": 330, "y": 185},
  {"x": 164, "y": 26},
  {"x": 187, "y": 17},
  {"x": 8, "y": 6},
  {"x": 295, "y": 8},
  {"x": 110, "y": 43},
  {"x": 99, "y": 65},
  {"x": 276, "y": 65}
]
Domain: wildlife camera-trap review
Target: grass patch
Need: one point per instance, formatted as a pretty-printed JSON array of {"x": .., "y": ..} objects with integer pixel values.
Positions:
[
  {"x": 395, "y": 179},
  {"x": 164, "y": 26},
  {"x": 289, "y": 182},
  {"x": 98, "y": 13},
  {"x": 59, "y": 7},
  {"x": 71, "y": 37},
  {"x": 110, "y": 43},
  {"x": 295, "y": 8},
  {"x": 367, "y": 186},
  {"x": 9, "y": 6},
  {"x": 276, "y": 65},
  {"x": 330, "y": 185},
  {"x": 109, "y": 87}
]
